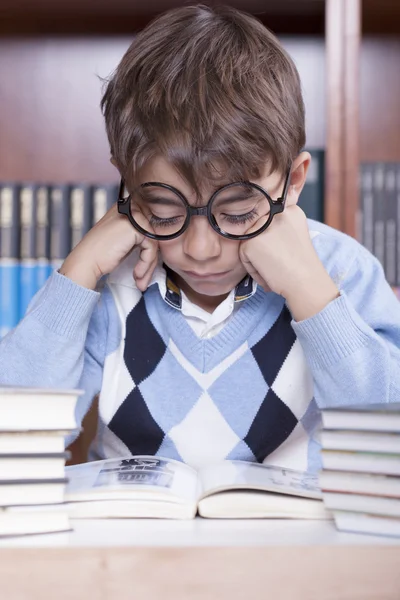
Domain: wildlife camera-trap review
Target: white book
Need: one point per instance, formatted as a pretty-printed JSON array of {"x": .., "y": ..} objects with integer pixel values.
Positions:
[
  {"x": 148, "y": 486},
  {"x": 32, "y": 466},
  {"x": 360, "y": 440},
  {"x": 32, "y": 520},
  {"x": 372, "y": 417},
  {"x": 33, "y": 491},
  {"x": 34, "y": 442},
  {"x": 367, "y": 462},
  {"x": 360, "y": 483},
  {"x": 367, "y": 523},
  {"x": 23, "y": 408},
  {"x": 389, "y": 507}
]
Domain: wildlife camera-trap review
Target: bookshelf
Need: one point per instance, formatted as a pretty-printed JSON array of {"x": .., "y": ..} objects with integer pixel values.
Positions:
[{"x": 53, "y": 53}]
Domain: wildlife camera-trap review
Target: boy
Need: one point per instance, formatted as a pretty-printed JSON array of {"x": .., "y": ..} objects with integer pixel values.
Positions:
[{"x": 226, "y": 320}]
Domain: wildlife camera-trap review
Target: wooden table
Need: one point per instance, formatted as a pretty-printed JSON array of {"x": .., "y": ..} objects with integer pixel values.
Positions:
[{"x": 165, "y": 560}]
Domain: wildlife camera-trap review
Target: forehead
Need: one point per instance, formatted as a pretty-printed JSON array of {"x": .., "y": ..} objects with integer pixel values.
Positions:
[{"x": 158, "y": 169}]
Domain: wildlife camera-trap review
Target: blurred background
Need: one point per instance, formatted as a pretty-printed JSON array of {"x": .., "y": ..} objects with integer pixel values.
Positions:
[{"x": 56, "y": 180}]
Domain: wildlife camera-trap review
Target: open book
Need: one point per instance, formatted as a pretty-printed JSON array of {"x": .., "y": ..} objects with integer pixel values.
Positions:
[{"x": 148, "y": 486}]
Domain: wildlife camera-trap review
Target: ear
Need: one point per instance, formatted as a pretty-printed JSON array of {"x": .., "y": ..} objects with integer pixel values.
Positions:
[
  {"x": 114, "y": 162},
  {"x": 298, "y": 177}
]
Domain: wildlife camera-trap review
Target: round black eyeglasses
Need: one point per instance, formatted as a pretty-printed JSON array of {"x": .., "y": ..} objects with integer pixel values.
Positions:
[{"x": 161, "y": 212}]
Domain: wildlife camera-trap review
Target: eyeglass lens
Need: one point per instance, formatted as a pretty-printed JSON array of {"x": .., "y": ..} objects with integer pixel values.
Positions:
[{"x": 236, "y": 209}]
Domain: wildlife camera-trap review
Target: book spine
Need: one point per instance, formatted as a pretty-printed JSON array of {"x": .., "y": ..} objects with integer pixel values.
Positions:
[
  {"x": 391, "y": 223},
  {"x": 28, "y": 277},
  {"x": 43, "y": 265},
  {"x": 379, "y": 212},
  {"x": 103, "y": 197},
  {"x": 311, "y": 200},
  {"x": 398, "y": 229},
  {"x": 9, "y": 257},
  {"x": 60, "y": 232},
  {"x": 367, "y": 206},
  {"x": 81, "y": 212},
  {"x": 112, "y": 194}
]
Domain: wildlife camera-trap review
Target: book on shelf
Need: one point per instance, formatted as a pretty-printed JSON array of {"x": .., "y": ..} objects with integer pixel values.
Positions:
[
  {"x": 149, "y": 486},
  {"x": 27, "y": 253},
  {"x": 380, "y": 210},
  {"x": 42, "y": 219},
  {"x": 378, "y": 217},
  {"x": 60, "y": 231},
  {"x": 33, "y": 425},
  {"x": 366, "y": 208},
  {"x": 311, "y": 199},
  {"x": 9, "y": 257},
  {"x": 39, "y": 226},
  {"x": 80, "y": 212},
  {"x": 103, "y": 197},
  {"x": 391, "y": 219},
  {"x": 360, "y": 478}
]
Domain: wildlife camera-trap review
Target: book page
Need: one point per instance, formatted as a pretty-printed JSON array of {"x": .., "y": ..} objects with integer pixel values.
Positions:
[
  {"x": 229, "y": 475},
  {"x": 132, "y": 476}
]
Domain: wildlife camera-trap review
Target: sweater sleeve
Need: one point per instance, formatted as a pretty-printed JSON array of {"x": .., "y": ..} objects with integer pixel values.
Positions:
[
  {"x": 59, "y": 343},
  {"x": 353, "y": 345}
]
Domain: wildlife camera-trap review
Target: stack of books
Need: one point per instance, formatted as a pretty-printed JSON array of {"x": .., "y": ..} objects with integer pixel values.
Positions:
[
  {"x": 360, "y": 479},
  {"x": 33, "y": 425}
]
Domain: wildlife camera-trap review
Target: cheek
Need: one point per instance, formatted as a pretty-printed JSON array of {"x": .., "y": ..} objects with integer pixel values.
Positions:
[{"x": 170, "y": 250}]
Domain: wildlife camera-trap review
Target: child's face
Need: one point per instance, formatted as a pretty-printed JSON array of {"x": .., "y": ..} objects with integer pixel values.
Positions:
[{"x": 206, "y": 263}]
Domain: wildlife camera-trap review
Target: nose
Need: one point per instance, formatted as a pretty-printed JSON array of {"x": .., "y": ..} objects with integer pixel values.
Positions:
[{"x": 200, "y": 241}]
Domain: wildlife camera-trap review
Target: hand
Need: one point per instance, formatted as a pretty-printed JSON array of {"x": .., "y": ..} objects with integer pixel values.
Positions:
[
  {"x": 283, "y": 259},
  {"x": 105, "y": 246}
]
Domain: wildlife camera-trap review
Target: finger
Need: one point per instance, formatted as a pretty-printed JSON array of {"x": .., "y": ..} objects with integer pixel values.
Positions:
[
  {"x": 148, "y": 253},
  {"x": 143, "y": 282}
]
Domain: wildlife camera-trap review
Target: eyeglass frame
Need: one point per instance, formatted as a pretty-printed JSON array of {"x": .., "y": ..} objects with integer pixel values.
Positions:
[{"x": 276, "y": 207}]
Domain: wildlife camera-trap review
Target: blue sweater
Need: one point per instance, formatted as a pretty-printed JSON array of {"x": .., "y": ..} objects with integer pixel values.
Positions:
[{"x": 253, "y": 392}]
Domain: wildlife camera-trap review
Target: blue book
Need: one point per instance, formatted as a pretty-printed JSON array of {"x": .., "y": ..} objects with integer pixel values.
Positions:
[
  {"x": 9, "y": 257},
  {"x": 60, "y": 230},
  {"x": 27, "y": 273},
  {"x": 43, "y": 265}
]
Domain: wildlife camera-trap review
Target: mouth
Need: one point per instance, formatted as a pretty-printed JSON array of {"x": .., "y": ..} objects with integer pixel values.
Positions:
[{"x": 211, "y": 276}]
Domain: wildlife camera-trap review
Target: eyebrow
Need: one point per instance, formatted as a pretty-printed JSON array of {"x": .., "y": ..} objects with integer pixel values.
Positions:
[
  {"x": 154, "y": 196},
  {"x": 238, "y": 197},
  {"x": 151, "y": 199}
]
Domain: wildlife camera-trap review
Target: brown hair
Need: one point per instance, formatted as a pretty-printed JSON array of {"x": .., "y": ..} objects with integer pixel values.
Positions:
[{"x": 205, "y": 87}]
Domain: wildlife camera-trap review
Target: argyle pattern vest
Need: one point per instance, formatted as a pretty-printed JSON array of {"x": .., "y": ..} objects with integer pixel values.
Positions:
[{"x": 246, "y": 393}]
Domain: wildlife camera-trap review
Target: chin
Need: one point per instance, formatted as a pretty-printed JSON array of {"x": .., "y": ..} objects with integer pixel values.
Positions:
[{"x": 211, "y": 288}]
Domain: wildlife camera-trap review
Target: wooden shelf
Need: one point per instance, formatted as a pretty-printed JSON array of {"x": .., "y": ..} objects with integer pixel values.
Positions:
[
  {"x": 381, "y": 17},
  {"x": 380, "y": 98},
  {"x": 88, "y": 17}
]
